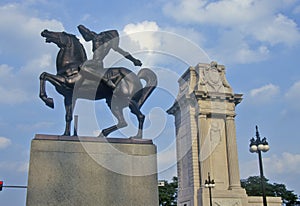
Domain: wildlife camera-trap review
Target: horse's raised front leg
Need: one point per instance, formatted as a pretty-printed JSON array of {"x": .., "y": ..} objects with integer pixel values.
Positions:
[
  {"x": 118, "y": 113},
  {"x": 53, "y": 79}
]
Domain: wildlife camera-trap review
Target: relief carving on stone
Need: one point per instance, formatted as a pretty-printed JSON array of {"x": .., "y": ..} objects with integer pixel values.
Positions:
[
  {"x": 213, "y": 78},
  {"x": 212, "y": 140},
  {"x": 215, "y": 134},
  {"x": 227, "y": 202}
]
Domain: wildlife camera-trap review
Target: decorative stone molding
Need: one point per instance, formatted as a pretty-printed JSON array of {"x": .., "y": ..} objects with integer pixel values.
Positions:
[
  {"x": 212, "y": 78},
  {"x": 227, "y": 202}
]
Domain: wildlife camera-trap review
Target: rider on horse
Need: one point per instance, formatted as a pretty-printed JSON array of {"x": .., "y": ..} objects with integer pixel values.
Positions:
[
  {"x": 72, "y": 85},
  {"x": 102, "y": 43}
]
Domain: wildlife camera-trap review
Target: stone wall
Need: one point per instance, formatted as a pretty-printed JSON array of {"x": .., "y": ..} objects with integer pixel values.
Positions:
[{"x": 66, "y": 171}]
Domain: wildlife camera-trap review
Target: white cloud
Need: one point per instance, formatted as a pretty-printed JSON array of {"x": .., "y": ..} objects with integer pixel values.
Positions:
[
  {"x": 147, "y": 34},
  {"x": 232, "y": 47},
  {"x": 264, "y": 94},
  {"x": 245, "y": 54},
  {"x": 20, "y": 31},
  {"x": 4, "y": 142},
  {"x": 292, "y": 96},
  {"x": 277, "y": 164},
  {"x": 294, "y": 92},
  {"x": 140, "y": 27},
  {"x": 224, "y": 13},
  {"x": 160, "y": 46},
  {"x": 280, "y": 30},
  {"x": 268, "y": 90},
  {"x": 18, "y": 166},
  {"x": 21, "y": 44},
  {"x": 9, "y": 96},
  {"x": 284, "y": 163},
  {"x": 240, "y": 24},
  {"x": 11, "y": 89},
  {"x": 189, "y": 33},
  {"x": 142, "y": 36},
  {"x": 23, "y": 167},
  {"x": 19, "y": 85}
]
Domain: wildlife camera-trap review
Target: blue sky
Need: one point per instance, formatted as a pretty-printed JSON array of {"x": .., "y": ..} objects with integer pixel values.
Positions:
[{"x": 257, "y": 41}]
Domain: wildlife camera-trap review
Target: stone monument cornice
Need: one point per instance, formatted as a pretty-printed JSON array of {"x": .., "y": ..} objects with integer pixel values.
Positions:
[{"x": 217, "y": 96}]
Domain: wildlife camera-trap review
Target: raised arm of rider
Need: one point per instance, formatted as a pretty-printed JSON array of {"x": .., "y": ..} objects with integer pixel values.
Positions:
[{"x": 87, "y": 34}]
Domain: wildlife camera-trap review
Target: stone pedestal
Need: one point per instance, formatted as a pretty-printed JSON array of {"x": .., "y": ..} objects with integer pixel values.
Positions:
[{"x": 70, "y": 171}]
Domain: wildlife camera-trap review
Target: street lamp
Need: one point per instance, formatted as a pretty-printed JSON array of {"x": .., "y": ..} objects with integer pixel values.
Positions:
[
  {"x": 209, "y": 184},
  {"x": 260, "y": 145}
]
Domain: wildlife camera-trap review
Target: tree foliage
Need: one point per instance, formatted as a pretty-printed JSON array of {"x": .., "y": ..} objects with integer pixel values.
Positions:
[
  {"x": 168, "y": 193},
  {"x": 253, "y": 188}
]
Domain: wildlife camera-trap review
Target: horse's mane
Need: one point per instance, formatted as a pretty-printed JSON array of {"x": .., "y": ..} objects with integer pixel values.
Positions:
[
  {"x": 77, "y": 44},
  {"x": 72, "y": 35}
]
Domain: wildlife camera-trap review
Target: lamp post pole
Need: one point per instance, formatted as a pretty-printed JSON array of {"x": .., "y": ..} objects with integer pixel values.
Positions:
[
  {"x": 263, "y": 186},
  {"x": 209, "y": 184},
  {"x": 260, "y": 145}
]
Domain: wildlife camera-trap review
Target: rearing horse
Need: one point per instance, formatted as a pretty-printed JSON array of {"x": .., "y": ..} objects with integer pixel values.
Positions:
[{"x": 72, "y": 85}]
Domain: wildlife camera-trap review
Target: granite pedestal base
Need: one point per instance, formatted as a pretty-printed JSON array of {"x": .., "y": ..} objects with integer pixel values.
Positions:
[{"x": 72, "y": 171}]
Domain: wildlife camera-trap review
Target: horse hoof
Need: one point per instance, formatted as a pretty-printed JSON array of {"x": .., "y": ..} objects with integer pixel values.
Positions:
[
  {"x": 65, "y": 134},
  {"x": 49, "y": 102}
]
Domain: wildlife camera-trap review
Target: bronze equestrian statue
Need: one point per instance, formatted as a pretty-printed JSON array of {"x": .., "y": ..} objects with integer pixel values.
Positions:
[{"x": 78, "y": 77}]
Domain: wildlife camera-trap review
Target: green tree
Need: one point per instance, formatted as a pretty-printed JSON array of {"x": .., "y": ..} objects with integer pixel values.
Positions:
[
  {"x": 253, "y": 188},
  {"x": 168, "y": 193}
]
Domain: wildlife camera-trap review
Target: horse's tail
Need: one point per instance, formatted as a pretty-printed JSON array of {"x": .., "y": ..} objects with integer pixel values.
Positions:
[{"x": 151, "y": 82}]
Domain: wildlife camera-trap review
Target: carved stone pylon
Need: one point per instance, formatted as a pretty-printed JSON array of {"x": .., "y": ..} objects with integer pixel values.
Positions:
[{"x": 206, "y": 137}]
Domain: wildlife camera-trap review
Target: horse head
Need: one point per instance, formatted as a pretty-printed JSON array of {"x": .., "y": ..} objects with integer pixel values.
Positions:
[
  {"x": 71, "y": 51},
  {"x": 61, "y": 39}
]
